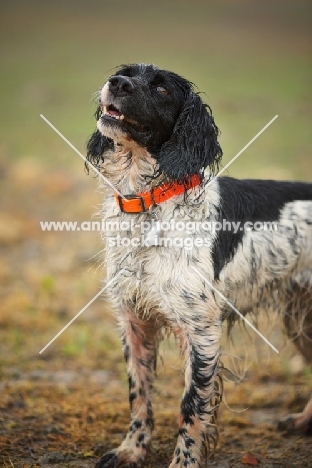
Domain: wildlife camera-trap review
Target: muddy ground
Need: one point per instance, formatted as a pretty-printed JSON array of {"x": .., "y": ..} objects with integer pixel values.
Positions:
[{"x": 65, "y": 419}]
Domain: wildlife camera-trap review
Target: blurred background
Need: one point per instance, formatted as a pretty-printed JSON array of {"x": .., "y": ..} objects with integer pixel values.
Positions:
[{"x": 252, "y": 59}]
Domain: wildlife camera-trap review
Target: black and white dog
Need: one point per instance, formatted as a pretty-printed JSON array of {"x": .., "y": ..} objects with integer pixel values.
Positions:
[{"x": 156, "y": 142}]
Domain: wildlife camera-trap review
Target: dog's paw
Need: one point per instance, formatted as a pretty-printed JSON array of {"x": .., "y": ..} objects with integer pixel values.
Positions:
[
  {"x": 112, "y": 460},
  {"x": 109, "y": 460},
  {"x": 295, "y": 424},
  {"x": 286, "y": 424}
]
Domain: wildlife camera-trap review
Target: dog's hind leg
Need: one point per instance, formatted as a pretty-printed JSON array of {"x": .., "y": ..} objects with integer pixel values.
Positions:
[
  {"x": 298, "y": 323},
  {"x": 140, "y": 349}
]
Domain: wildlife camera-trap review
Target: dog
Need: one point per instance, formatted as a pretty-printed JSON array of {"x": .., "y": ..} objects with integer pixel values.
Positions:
[{"x": 156, "y": 143}]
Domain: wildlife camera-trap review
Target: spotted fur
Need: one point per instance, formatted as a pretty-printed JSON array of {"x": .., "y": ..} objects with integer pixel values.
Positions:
[{"x": 153, "y": 128}]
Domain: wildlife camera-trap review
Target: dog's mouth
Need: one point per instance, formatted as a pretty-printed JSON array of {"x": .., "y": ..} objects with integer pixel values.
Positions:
[
  {"x": 113, "y": 112},
  {"x": 110, "y": 111}
]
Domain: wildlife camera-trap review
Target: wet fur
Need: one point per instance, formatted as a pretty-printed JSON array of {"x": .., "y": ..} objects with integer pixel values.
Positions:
[{"x": 168, "y": 137}]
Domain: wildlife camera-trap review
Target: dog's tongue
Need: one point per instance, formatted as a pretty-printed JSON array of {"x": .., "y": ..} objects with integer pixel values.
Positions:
[{"x": 114, "y": 112}]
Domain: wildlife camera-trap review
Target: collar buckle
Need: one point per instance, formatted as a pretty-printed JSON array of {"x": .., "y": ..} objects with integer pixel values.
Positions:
[{"x": 123, "y": 204}]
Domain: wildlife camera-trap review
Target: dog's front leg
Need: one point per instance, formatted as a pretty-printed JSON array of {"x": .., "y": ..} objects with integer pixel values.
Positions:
[
  {"x": 202, "y": 394},
  {"x": 140, "y": 348}
]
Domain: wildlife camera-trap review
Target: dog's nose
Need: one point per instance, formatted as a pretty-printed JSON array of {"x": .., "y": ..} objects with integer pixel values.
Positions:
[{"x": 120, "y": 86}]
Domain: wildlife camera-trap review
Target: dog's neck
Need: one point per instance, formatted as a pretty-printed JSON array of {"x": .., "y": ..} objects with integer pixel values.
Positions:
[{"x": 130, "y": 167}]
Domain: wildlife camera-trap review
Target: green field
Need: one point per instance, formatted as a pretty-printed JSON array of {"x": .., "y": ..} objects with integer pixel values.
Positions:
[{"x": 252, "y": 59}]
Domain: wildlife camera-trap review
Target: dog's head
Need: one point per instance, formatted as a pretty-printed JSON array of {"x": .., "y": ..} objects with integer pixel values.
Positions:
[{"x": 157, "y": 110}]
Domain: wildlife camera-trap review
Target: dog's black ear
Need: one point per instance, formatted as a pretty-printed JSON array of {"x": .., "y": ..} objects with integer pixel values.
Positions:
[
  {"x": 193, "y": 145},
  {"x": 97, "y": 145}
]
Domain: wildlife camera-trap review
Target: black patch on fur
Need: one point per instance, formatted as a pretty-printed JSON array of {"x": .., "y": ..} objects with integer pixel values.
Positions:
[
  {"x": 193, "y": 404},
  {"x": 132, "y": 397},
  {"x": 188, "y": 442},
  {"x": 136, "y": 425},
  {"x": 132, "y": 383},
  {"x": 203, "y": 297},
  {"x": 250, "y": 200},
  {"x": 142, "y": 392}
]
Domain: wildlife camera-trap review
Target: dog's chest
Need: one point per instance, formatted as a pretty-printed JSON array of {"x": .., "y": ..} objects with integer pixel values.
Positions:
[
  {"x": 154, "y": 253},
  {"x": 149, "y": 275}
]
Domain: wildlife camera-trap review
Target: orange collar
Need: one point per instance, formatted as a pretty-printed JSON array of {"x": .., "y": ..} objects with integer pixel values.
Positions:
[{"x": 141, "y": 202}]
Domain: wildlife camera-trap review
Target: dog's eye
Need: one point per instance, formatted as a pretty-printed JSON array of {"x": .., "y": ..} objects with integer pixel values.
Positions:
[{"x": 162, "y": 90}]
